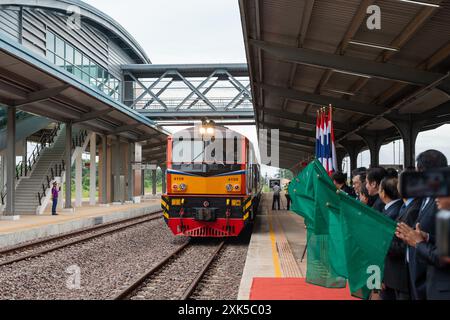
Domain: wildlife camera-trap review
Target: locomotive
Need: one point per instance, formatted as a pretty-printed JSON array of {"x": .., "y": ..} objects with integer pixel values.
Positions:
[{"x": 213, "y": 182}]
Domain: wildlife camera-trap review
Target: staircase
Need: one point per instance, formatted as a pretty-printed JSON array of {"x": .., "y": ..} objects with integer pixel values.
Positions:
[{"x": 28, "y": 187}]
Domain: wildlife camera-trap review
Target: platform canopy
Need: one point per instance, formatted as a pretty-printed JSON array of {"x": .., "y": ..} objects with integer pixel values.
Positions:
[
  {"x": 384, "y": 84},
  {"x": 30, "y": 83}
]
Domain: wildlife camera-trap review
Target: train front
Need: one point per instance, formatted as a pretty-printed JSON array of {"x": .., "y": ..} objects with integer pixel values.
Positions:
[{"x": 207, "y": 194}]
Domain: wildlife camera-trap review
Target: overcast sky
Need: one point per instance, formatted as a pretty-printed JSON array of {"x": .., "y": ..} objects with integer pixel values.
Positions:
[{"x": 209, "y": 31}]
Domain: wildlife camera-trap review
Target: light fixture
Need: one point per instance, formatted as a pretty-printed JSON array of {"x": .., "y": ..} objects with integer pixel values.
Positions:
[
  {"x": 421, "y": 3},
  {"x": 341, "y": 92},
  {"x": 202, "y": 130},
  {"x": 353, "y": 73},
  {"x": 373, "y": 45},
  {"x": 210, "y": 131}
]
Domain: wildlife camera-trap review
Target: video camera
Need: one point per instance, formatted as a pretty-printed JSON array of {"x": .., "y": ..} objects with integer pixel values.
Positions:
[
  {"x": 427, "y": 184},
  {"x": 431, "y": 184}
]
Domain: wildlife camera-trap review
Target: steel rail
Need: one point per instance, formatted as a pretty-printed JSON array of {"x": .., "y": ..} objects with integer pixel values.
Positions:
[{"x": 150, "y": 217}]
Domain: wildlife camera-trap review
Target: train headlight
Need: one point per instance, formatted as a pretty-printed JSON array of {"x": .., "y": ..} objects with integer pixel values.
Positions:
[
  {"x": 210, "y": 131},
  {"x": 229, "y": 187},
  {"x": 203, "y": 130},
  {"x": 237, "y": 187},
  {"x": 175, "y": 187},
  {"x": 183, "y": 187}
]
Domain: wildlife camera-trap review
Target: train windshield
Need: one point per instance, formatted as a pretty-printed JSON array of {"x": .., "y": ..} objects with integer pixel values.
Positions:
[{"x": 207, "y": 157}]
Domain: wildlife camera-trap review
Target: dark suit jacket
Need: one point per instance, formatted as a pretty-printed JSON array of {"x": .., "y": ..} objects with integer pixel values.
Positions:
[
  {"x": 418, "y": 269},
  {"x": 349, "y": 190},
  {"x": 395, "y": 267},
  {"x": 394, "y": 210},
  {"x": 378, "y": 204},
  {"x": 438, "y": 275}
]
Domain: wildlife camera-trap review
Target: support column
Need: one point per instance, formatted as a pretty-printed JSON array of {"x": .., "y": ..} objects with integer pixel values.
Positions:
[
  {"x": 11, "y": 162},
  {"x": 163, "y": 179},
  {"x": 340, "y": 158},
  {"x": 409, "y": 130},
  {"x": 104, "y": 189},
  {"x": 93, "y": 171},
  {"x": 116, "y": 167},
  {"x": 68, "y": 162},
  {"x": 154, "y": 182},
  {"x": 79, "y": 180},
  {"x": 374, "y": 142},
  {"x": 130, "y": 162},
  {"x": 25, "y": 155},
  {"x": 137, "y": 172},
  {"x": 353, "y": 148},
  {"x": 143, "y": 183}
]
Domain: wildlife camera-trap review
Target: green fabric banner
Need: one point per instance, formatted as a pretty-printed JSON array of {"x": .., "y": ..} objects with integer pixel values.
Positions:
[{"x": 346, "y": 239}]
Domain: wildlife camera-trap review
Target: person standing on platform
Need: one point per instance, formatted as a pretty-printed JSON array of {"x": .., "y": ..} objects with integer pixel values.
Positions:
[
  {"x": 55, "y": 195},
  {"x": 373, "y": 180},
  {"x": 340, "y": 181},
  {"x": 288, "y": 198},
  {"x": 359, "y": 180},
  {"x": 276, "y": 196},
  {"x": 396, "y": 280},
  {"x": 428, "y": 160}
]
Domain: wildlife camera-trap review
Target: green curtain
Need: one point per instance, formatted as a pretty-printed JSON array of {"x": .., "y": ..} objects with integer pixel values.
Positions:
[{"x": 345, "y": 237}]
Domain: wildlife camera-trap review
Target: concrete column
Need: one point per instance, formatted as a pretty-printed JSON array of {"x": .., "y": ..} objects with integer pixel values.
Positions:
[
  {"x": 154, "y": 182},
  {"x": 79, "y": 180},
  {"x": 131, "y": 153},
  {"x": 2, "y": 171},
  {"x": 374, "y": 143},
  {"x": 68, "y": 162},
  {"x": 11, "y": 162},
  {"x": 409, "y": 130},
  {"x": 104, "y": 189},
  {"x": 143, "y": 183},
  {"x": 163, "y": 176},
  {"x": 353, "y": 148},
  {"x": 340, "y": 153},
  {"x": 116, "y": 169},
  {"x": 25, "y": 152},
  {"x": 93, "y": 171}
]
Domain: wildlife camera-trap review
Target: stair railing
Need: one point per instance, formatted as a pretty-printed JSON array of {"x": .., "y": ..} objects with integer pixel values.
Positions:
[{"x": 23, "y": 169}]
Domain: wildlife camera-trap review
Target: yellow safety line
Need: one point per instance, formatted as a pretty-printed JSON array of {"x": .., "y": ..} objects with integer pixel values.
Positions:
[{"x": 275, "y": 257}]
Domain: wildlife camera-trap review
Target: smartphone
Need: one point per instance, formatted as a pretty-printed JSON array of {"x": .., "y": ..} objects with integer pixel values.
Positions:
[{"x": 432, "y": 183}]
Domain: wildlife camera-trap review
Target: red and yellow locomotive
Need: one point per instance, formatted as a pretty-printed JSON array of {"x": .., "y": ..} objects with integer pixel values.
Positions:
[{"x": 209, "y": 196}]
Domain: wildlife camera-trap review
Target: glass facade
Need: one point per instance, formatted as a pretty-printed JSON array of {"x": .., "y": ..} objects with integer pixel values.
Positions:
[{"x": 66, "y": 56}]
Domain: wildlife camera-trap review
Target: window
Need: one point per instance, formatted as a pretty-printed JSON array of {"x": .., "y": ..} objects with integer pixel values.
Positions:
[{"x": 66, "y": 56}]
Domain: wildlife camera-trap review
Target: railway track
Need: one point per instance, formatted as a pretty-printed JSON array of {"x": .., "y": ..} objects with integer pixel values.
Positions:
[
  {"x": 155, "y": 283},
  {"x": 40, "y": 247}
]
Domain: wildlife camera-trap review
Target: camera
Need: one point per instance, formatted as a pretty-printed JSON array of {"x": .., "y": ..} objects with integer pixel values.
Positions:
[{"x": 432, "y": 184}]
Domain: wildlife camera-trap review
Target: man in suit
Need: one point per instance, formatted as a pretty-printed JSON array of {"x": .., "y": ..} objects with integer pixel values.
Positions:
[
  {"x": 396, "y": 277},
  {"x": 358, "y": 180},
  {"x": 373, "y": 180},
  {"x": 340, "y": 181},
  {"x": 438, "y": 268},
  {"x": 431, "y": 159},
  {"x": 391, "y": 198},
  {"x": 395, "y": 283}
]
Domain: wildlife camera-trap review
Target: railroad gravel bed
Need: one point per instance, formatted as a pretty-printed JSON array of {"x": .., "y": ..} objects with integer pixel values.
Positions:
[
  {"x": 223, "y": 278},
  {"x": 104, "y": 264},
  {"x": 174, "y": 278},
  {"x": 18, "y": 251}
]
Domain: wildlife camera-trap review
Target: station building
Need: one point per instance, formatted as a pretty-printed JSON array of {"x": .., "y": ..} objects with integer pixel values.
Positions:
[{"x": 61, "y": 85}]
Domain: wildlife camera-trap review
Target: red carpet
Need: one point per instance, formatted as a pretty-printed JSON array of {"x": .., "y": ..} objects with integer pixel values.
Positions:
[{"x": 294, "y": 289}]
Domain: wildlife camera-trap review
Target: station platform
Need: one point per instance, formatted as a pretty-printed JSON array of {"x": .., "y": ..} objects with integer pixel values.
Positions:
[
  {"x": 30, "y": 228},
  {"x": 274, "y": 269}
]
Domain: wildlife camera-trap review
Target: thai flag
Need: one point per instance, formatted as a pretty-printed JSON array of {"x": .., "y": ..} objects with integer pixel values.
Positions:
[{"x": 325, "y": 141}]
